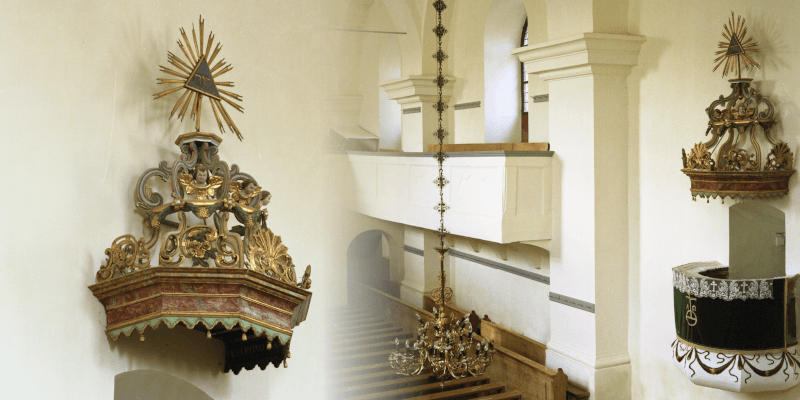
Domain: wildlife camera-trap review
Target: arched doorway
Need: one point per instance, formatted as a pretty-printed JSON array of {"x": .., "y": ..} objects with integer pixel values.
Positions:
[
  {"x": 154, "y": 385},
  {"x": 369, "y": 261}
]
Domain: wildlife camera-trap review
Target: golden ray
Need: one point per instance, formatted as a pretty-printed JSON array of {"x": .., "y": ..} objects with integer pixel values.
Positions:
[
  {"x": 186, "y": 105},
  {"x": 196, "y": 47},
  {"x": 734, "y": 51},
  {"x": 171, "y": 72},
  {"x": 178, "y": 103},
  {"x": 189, "y": 46},
  {"x": 210, "y": 40},
  {"x": 234, "y": 105},
  {"x": 179, "y": 63},
  {"x": 219, "y": 64},
  {"x": 197, "y": 80},
  {"x": 199, "y": 108},
  {"x": 201, "y": 37},
  {"x": 170, "y": 81},
  {"x": 214, "y": 54},
  {"x": 224, "y": 70},
  {"x": 166, "y": 92},
  {"x": 180, "y": 44},
  {"x": 216, "y": 116},
  {"x": 751, "y": 60},
  {"x": 194, "y": 106},
  {"x": 230, "y": 121},
  {"x": 232, "y": 95},
  {"x": 225, "y": 116}
]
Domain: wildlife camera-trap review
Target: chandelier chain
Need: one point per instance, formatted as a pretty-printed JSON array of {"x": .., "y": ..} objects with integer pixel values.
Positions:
[{"x": 446, "y": 344}]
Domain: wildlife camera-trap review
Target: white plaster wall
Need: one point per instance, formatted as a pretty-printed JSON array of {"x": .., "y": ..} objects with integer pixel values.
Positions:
[
  {"x": 80, "y": 125},
  {"x": 502, "y": 93},
  {"x": 369, "y": 67},
  {"x": 466, "y": 59},
  {"x": 668, "y": 92},
  {"x": 412, "y": 286},
  {"x": 390, "y": 112},
  {"x": 517, "y": 303}
]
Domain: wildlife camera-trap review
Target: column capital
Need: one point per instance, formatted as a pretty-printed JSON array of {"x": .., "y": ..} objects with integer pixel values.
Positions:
[
  {"x": 582, "y": 54},
  {"x": 416, "y": 89}
]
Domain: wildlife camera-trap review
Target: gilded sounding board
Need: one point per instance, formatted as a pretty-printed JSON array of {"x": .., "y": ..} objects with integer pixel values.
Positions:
[{"x": 232, "y": 279}]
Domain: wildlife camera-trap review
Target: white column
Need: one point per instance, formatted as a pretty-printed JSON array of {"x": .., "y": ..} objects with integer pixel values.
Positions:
[
  {"x": 416, "y": 95},
  {"x": 588, "y": 130}
]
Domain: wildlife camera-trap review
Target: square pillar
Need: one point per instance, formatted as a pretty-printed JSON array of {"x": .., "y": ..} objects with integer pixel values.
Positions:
[
  {"x": 416, "y": 95},
  {"x": 586, "y": 76}
]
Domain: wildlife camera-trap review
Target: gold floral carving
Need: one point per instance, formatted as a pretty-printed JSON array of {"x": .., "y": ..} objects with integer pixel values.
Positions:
[
  {"x": 738, "y": 160},
  {"x": 200, "y": 242},
  {"x": 197, "y": 248},
  {"x": 267, "y": 254},
  {"x": 203, "y": 213},
  {"x": 780, "y": 158},
  {"x": 700, "y": 158},
  {"x": 125, "y": 255}
]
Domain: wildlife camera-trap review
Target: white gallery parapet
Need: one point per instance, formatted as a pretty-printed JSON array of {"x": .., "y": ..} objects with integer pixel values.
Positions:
[{"x": 497, "y": 196}]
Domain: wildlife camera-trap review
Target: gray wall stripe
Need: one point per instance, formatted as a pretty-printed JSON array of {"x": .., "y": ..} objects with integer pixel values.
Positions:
[
  {"x": 503, "y": 267},
  {"x": 542, "y": 98},
  {"x": 413, "y": 250},
  {"x": 412, "y": 110},
  {"x": 569, "y": 301},
  {"x": 464, "y": 106}
]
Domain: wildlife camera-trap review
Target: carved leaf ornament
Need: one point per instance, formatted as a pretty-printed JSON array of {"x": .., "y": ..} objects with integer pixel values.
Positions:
[
  {"x": 780, "y": 157},
  {"x": 267, "y": 254},
  {"x": 700, "y": 158}
]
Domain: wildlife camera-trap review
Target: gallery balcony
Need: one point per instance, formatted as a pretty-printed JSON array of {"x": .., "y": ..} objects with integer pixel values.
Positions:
[{"x": 498, "y": 196}]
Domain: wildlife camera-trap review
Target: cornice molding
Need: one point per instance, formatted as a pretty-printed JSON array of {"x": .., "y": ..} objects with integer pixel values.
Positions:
[
  {"x": 417, "y": 88},
  {"x": 581, "y": 55}
]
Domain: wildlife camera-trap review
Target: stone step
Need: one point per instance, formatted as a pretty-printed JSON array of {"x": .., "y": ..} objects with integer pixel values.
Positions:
[
  {"x": 362, "y": 369},
  {"x": 485, "y": 391},
  {"x": 512, "y": 395},
  {"x": 364, "y": 378},
  {"x": 429, "y": 388},
  {"x": 382, "y": 386}
]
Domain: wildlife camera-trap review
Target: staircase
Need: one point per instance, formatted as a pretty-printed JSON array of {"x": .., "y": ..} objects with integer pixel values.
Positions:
[{"x": 366, "y": 341}]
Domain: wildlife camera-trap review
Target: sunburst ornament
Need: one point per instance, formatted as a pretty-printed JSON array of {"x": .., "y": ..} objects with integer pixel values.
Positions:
[
  {"x": 734, "y": 51},
  {"x": 197, "y": 81}
]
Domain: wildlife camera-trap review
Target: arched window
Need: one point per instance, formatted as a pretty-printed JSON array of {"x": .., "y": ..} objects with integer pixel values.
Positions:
[{"x": 524, "y": 83}]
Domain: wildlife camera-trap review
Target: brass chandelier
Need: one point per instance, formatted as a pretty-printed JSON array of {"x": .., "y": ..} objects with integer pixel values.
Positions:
[{"x": 444, "y": 345}]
